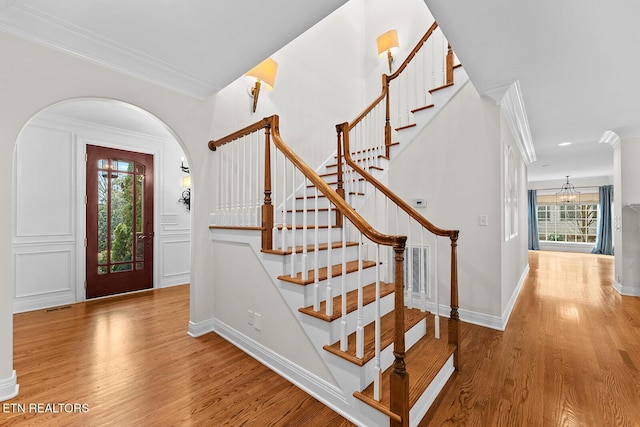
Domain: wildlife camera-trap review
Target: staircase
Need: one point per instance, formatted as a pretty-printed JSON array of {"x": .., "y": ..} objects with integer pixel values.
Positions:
[{"x": 358, "y": 264}]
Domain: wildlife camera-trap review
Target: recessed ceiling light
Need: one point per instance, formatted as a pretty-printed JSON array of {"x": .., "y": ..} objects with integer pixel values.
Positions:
[{"x": 564, "y": 144}]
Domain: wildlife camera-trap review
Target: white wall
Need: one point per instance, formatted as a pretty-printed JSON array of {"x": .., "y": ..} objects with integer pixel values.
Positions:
[
  {"x": 514, "y": 252},
  {"x": 455, "y": 165},
  {"x": 242, "y": 284},
  {"x": 39, "y": 77},
  {"x": 319, "y": 84},
  {"x": 49, "y": 216},
  {"x": 628, "y": 258}
]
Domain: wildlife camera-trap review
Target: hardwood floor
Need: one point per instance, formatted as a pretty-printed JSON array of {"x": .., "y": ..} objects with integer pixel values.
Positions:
[
  {"x": 130, "y": 361},
  {"x": 569, "y": 356}
]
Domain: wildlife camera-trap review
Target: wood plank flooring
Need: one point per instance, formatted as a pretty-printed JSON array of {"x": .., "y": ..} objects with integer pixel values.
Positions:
[
  {"x": 570, "y": 355},
  {"x": 130, "y": 361}
]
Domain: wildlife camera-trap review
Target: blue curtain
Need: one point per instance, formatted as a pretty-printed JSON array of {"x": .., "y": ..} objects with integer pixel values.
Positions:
[
  {"x": 534, "y": 239},
  {"x": 604, "y": 237}
]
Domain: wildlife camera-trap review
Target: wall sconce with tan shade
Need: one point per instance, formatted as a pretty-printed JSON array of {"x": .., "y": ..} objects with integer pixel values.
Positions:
[
  {"x": 264, "y": 72},
  {"x": 386, "y": 42}
]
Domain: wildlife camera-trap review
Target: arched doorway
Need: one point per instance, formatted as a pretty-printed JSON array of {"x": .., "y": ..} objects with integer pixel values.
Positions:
[{"x": 49, "y": 227}]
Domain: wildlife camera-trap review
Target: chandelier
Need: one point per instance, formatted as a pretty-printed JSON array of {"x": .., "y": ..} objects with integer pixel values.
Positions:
[{"x": 568, "y": 193}]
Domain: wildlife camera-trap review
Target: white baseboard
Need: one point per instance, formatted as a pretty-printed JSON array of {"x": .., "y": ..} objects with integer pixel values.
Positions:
[
  {"x": 481, "y": 319},
  {"x": 9, "y": 387},
  {"x": 629, "y": 291},
  {"x": 512, "y": 301},
  {"x": 327, "y": 393},
  {"x": 197, "y": 329}
]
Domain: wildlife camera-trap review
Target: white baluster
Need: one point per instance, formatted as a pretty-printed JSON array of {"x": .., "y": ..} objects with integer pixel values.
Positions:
[
  {"x": 245, "y": 141},
  {"x": 422, "y": 259},
  {"x": 293, "y": 221},
  {"x": 316, "y": 256},
  {"x": 360, "y": 325},
  {"x": 284, "y": 202},
  {"x": 305, "y": 271},
  {"x": 329, "y": 296},
  {"x": 274, "y": 190}
]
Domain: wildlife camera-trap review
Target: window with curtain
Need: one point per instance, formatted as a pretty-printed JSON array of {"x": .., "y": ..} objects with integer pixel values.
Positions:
[{"x": 568, "y": 222}]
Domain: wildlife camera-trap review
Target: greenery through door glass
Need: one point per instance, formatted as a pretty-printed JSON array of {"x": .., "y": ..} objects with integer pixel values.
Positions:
[{"x": 119, "y": 190}]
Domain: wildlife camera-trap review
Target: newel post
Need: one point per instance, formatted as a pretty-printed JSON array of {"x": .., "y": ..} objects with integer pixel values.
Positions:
[
  {"x": 454, "y": 318},
  {"x": 449, "y": 65},
  {"x": 387, "y": 119},
  {"x": 340, "y": 187},
  {"x": 399, "y": 377},
  {"x": 267, "y": 207}
]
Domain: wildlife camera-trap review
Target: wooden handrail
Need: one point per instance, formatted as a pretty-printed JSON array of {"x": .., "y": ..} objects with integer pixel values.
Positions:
[
  {"x": 261, "y": 124},
  {"x": 390, "y": 194},
  {"x": 272, "y": 123},
  {"x": 340, "y": 204},
  {"x": 414, "y": 51}
]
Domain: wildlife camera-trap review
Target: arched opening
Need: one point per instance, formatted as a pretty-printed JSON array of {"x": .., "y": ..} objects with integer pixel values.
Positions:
[{"x": 50, "y": 199}]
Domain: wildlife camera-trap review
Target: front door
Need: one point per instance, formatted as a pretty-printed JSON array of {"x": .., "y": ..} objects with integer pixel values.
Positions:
[{"x": 119, "y": 221}]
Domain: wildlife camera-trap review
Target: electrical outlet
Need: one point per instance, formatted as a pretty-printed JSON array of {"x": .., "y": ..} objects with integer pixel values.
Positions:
[
  {"x": 250, "y": 317},
  {"x": 257, "y": 324}
]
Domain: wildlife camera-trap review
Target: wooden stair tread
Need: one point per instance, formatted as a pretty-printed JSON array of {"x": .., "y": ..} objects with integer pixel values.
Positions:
[
  {"x": 309, "y": 226},
  {"x": 412, "y": 316},
  {"x": 435, "y": 89},
  {"x": 426, "y": 107},
  {"x": 368, "y": 296},
  {"x": 311, "y": 209},
  {"x": 336, "y": 270},
  {"x": 406, "y": 127},
  {"x": 423, "y": 361},
  {"x": 310, "y": 248}
]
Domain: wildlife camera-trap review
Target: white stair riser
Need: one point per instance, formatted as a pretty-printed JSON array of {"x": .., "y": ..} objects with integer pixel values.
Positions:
[
  {"x": 329, "y": 332},
  {"x": 368, "y": 315},
  {"x": 323, "y": 217},
  {"x": 358, "y": 378},
  {"x": 323, "y": 203},
  {"x": 323, "y": 236},
  {"x": 368, "y": 276},
  {"x": 336, "y": 257}
]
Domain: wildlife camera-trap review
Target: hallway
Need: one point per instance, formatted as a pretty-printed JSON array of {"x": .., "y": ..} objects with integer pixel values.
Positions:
[{"x": 569, "y": 356}]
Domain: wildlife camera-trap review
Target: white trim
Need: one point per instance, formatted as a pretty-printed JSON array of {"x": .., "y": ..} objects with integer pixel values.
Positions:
[
  {"x": 91, "y": 47},
  {"x": 630, "y": 291},
  {"x": 327, "y": 393},
  {"x": 419, "y": 410},
  {"x": 197, "y": 329},
  {"x": 512, "y": 105},
  {"x": 610, "y": 137},
  {"x": 584, "y": 248},
  {"x": 512, "y": 301},
  {"x": 9, "y": 387}
]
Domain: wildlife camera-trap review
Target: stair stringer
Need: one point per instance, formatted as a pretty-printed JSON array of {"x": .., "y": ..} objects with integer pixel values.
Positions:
[
  {"x": 333, "y": 395},
  {"x": 440, "y": 99}
]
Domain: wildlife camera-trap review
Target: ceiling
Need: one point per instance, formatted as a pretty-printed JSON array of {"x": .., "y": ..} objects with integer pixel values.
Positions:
[
  {"x": 575, "y": 59},
  {"x": 576, "y": 63},
  {"x": 195, "y": 47}
]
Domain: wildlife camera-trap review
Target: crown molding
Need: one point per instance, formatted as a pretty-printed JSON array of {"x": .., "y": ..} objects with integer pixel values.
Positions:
[
  {"x": 38, "y": 27},
  {"x": 609, "y": 137},
  {"x": 513, "y": 106}
]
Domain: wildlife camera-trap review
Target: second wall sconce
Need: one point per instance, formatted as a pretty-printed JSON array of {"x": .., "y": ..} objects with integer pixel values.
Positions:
[
  {"x": 264, "y": 72},
  {"x": 386, "y": 42}
]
